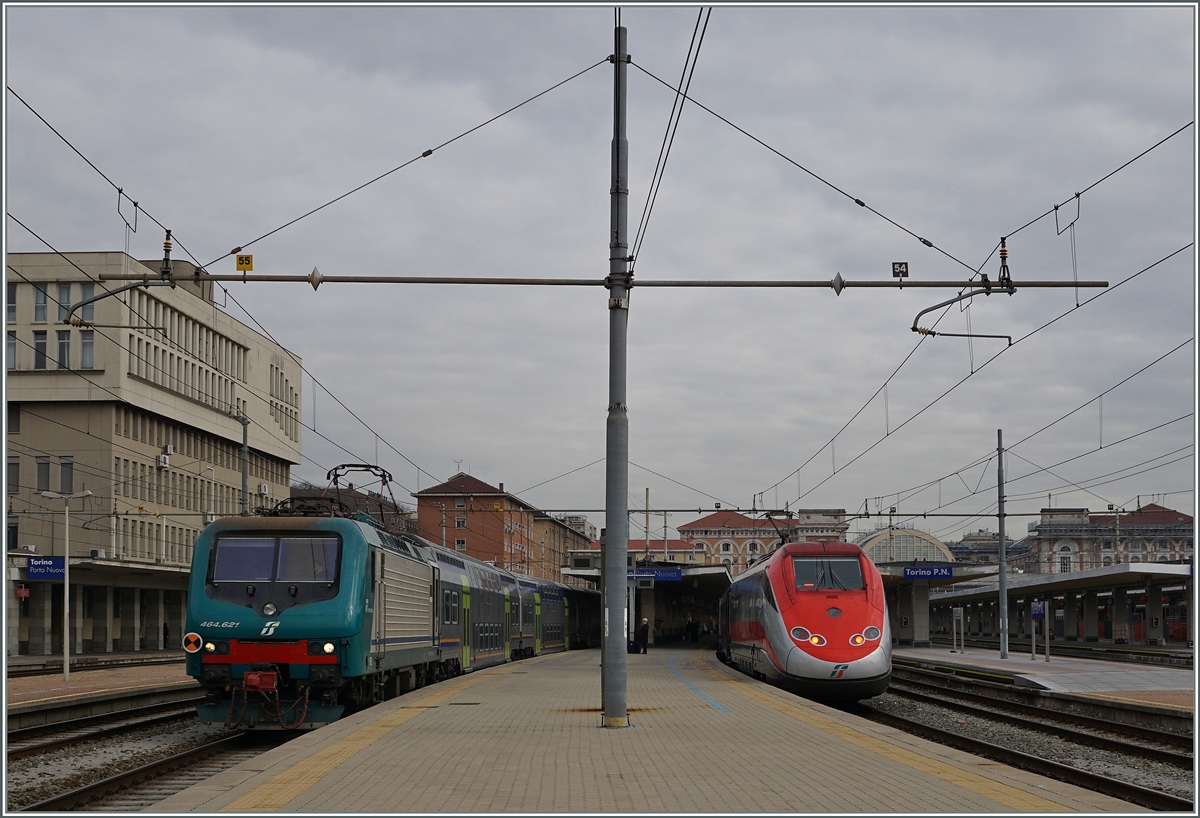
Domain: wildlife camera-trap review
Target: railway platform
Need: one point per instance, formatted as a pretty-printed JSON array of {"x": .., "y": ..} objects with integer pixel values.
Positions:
[
  {"x": 89, "y": 692},
  {"x": 526, "y": 737},
  {"x": 1151, "y": 685}
]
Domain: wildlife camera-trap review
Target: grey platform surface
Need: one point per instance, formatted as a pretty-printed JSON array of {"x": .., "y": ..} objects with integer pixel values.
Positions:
[
  {"x": 1067, "y": 674},
  {"x": 526, "y": 737}
]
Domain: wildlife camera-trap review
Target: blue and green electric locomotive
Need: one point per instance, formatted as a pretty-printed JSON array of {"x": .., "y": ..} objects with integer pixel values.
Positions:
[{"x": 295, "y": 619}]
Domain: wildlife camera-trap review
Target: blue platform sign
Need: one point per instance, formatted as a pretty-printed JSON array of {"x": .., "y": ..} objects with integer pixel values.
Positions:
[
  {"x": 1038, "y": 610},
  {"x": 656, "y": 574},
  {"x": 44, "y": 568},
  {"x": 931, "y": 572}
]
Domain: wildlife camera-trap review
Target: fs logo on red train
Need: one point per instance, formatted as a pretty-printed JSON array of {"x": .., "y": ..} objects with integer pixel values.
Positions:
[{"x": 838, "y": 670}]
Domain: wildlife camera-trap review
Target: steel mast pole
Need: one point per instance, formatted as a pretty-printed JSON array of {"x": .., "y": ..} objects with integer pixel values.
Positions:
[
  {"x": 1003, "y": 612},
  {"x": 616, "y": 503}
]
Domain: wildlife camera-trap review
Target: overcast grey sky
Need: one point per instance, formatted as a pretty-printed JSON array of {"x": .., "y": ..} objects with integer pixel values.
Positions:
[{"x": 960, "y": 124}]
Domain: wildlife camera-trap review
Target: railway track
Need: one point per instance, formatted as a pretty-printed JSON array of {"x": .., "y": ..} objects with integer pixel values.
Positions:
[
  {"x": 43, "y": 738},
  {"x": 147, "y": 785},
  {"x": 1158, "y": 745},
  {"x": 1097, "y": 782}
]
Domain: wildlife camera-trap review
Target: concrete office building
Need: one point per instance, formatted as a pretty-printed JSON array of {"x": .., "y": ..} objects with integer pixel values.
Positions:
[{"x": 140, "y": 406}]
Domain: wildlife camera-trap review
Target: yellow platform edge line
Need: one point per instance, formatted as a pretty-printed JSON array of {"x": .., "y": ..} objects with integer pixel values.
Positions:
[
  {"x": 1006, "y": 794},
  {"x": 273, "y": 795}
]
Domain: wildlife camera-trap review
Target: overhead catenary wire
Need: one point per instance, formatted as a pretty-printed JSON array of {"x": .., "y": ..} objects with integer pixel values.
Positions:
[
  {"x": 423, "y": 155},
  {"x": 664, "y": 151},
  {"x": 182, "y": 349},
  {"x": 810, "y": 172},
  {"x": 982, "y": 366}
]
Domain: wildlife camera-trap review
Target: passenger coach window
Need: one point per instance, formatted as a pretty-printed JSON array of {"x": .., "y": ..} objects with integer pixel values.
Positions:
[{"x": 828, "y": 573}]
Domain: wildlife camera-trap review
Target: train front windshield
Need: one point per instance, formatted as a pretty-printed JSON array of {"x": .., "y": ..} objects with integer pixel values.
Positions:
[
  {"x": 280, "y": 559},
  {"x": 828, "y": 574}
]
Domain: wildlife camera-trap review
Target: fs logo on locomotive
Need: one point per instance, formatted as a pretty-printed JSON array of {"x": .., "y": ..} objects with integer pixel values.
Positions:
[
  {"x": 268, "y": 629},
  {"x": 838, "y": 670}
]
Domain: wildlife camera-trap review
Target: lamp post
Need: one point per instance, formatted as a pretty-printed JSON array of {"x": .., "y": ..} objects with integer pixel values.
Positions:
[{"x": 66, "y": 498}]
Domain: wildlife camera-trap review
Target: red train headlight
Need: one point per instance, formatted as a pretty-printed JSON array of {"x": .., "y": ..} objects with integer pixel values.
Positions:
[
  {"x": 857, "y": 639},
  {"x": 872, "y": 633}
]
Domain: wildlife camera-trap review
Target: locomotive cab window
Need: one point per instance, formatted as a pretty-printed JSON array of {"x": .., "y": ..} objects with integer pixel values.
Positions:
[
  {"x": 285, "y": 571},
  {"x": 828, "y": 574}
]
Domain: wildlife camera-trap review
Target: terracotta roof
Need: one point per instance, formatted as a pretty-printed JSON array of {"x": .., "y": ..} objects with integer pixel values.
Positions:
[
  {"x": 1150, "y": 514},
  {"x": 726, "y": 519},
  {"x": 461, "y": 483}
]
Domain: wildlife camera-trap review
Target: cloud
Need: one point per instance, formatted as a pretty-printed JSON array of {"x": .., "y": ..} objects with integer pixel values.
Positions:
[{"x": 960, "y": 125}]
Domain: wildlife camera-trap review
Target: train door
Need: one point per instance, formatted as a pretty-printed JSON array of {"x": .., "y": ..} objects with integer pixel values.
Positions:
[
  {"x": 507, "y": 626},
  {"x": 377, "y": 620},
  {"x": 467, "y": 630},
  {"x": 566, "y": 623},
  {"x": 537, "y": 623}
]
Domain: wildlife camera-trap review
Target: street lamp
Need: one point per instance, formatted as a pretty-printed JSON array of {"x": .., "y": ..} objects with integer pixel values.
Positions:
[{"x": 66, "y": 498}]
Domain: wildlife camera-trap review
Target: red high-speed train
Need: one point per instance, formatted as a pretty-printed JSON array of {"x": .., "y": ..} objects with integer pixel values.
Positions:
[{"x": 812, "y": 618}]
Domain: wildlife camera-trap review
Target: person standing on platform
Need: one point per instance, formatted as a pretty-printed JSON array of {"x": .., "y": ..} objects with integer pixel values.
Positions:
[{"x": 643, "y": 635}]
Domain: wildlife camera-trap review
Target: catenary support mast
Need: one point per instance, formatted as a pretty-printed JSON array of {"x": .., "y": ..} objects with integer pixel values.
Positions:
[{"x": 616, "y": 502}]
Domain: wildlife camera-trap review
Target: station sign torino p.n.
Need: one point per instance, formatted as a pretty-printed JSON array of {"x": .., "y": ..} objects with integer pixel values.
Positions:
[{"x": 929, "y": 572}]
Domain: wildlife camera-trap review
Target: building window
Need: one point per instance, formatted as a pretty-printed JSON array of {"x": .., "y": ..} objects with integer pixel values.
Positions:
[
  {"x": 1107, "y": 561},
  {"x": 726, "y": 547},
  {"x": 88, "y": 311},
  {"x": 10, "y": 351},
  {"x": 39, "y": 349},
  {"x": 14, "y": 475},
  {"x": 14, "y": 418},
  {"x": 66, "y": 475},
  {"x": 10, "y": 303},
  {"x": 64, "y": 301},
  {"x": 460, "y": 522},
  {"x": 460, "y": 502},
  {"x": 87, "y": 345},
  {"x": 64, "y": 349},
  {"x": 39, "y": 303},
  {"x": 460, "y": 545},
  {"x": 753, "y": 548},
  {"x": 43, "y": 473}
]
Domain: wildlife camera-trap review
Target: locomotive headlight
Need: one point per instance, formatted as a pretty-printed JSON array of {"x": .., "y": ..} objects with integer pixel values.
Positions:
[
  {"x": 800, "y": 634},
  {"x": 210, "y": 647},
  {"x": 872, "y": 633},
  {"x": 327, "y": 647},
  {"x": 816, "y": 639},
  {"x": 269, "y": 609},
  {"x": 857, "y": 639}
]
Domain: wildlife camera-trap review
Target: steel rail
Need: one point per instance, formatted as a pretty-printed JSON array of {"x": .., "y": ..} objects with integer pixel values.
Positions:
[
  {"x": 1134, "y": 794},
  {"x": 1154, "y": 754},
  {"x": 1180, "y": 740},
  {"x": 81, "y": 796},
  {"x": 120, "y": 722}
]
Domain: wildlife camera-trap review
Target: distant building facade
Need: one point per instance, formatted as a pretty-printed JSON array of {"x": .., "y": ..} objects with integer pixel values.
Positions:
[
  {"x": 1074, "y": 539},
  {"x": 487, "y": 523},
  {"x": 138, "y": 404},
  {"x": 982, "y": 547},
  {"x": 904, "y": 545},
  {"x": 733, "y": 539}
]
